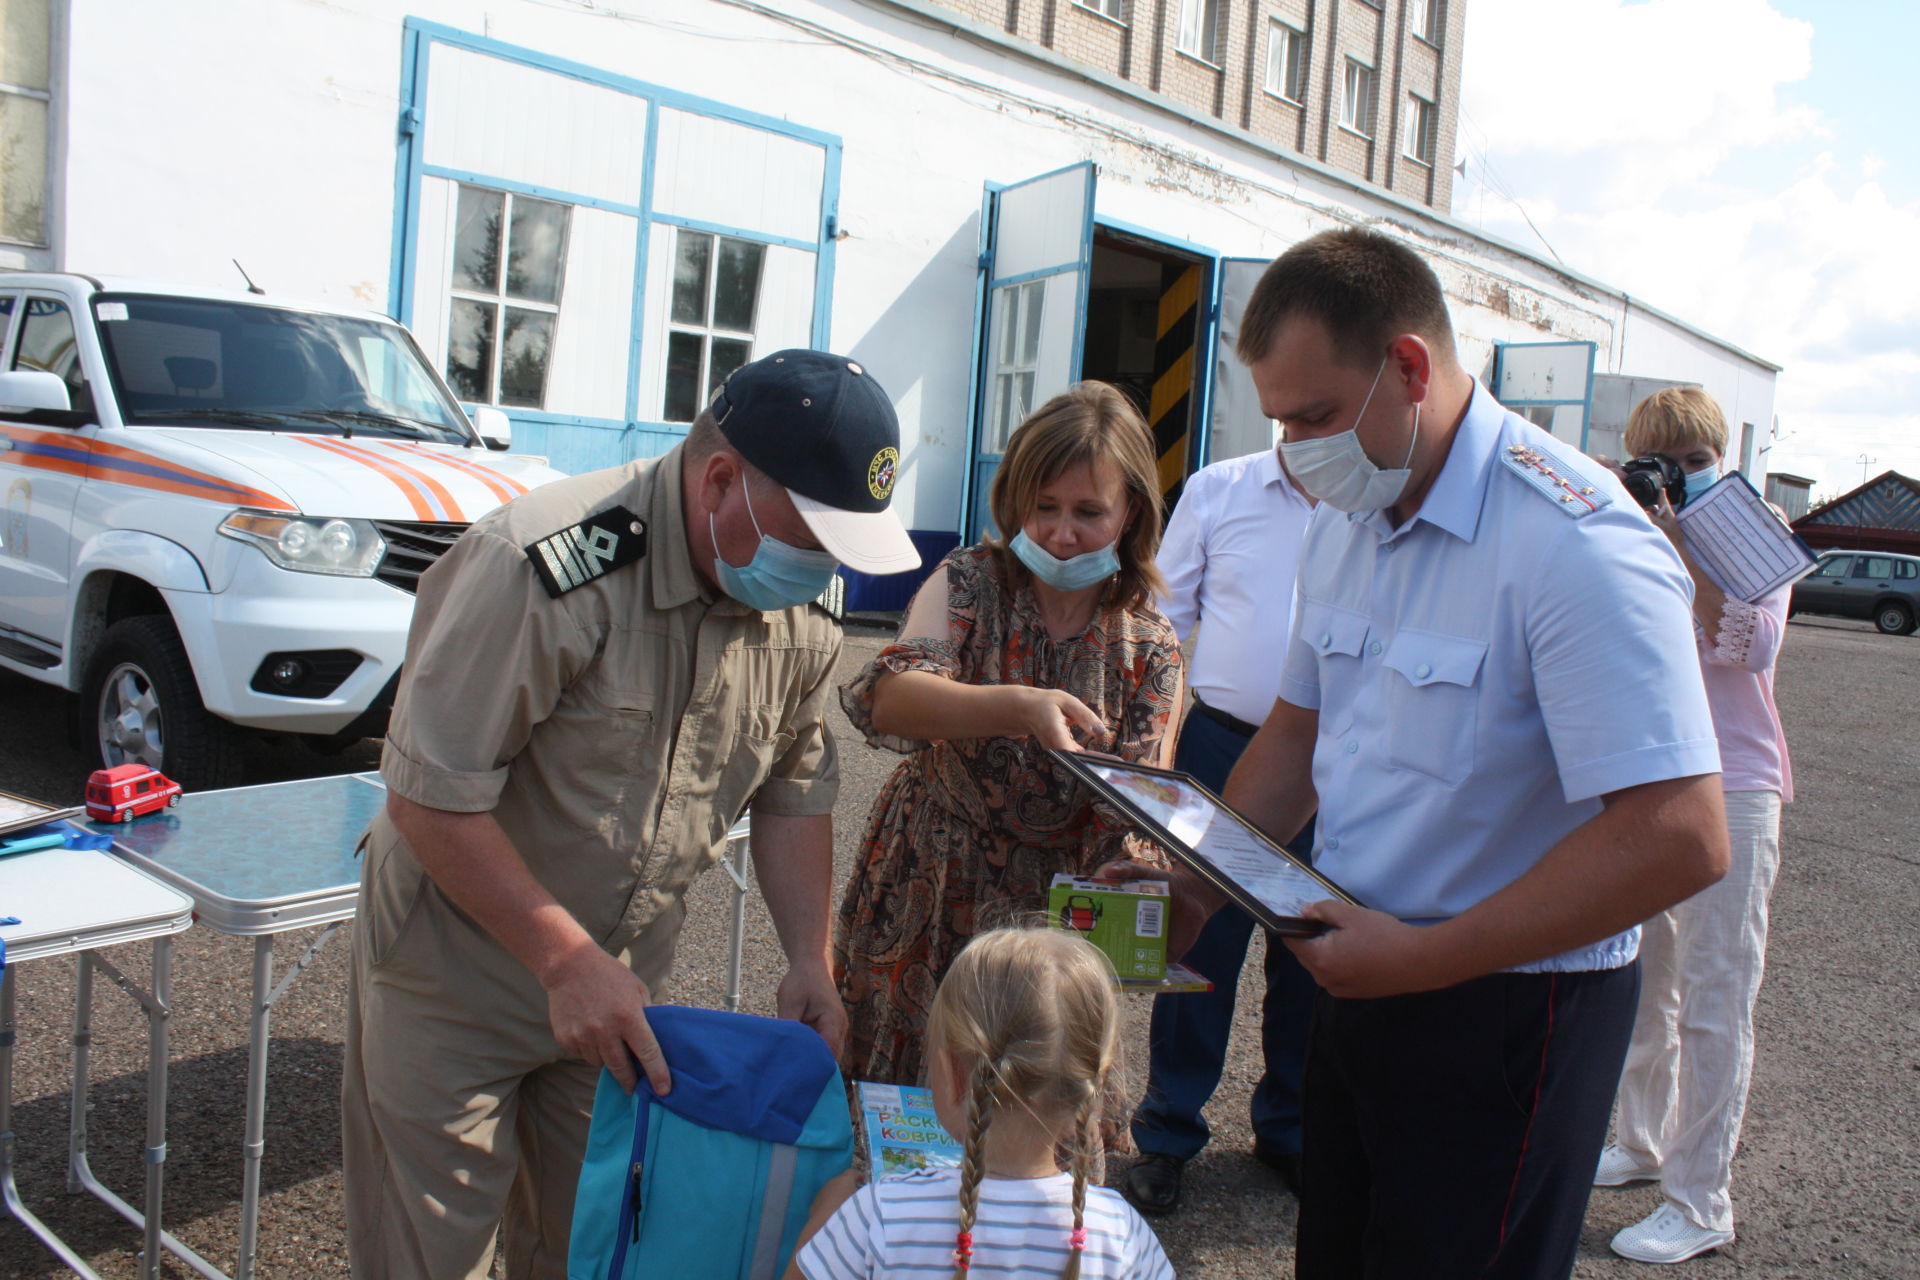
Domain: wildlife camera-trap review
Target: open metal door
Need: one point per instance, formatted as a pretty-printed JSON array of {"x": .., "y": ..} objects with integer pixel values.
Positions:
[
  {"x": 1236, "y": 425},
  {"x": 1548, "y": 383},
  {"x": 1039, "y": 253}
]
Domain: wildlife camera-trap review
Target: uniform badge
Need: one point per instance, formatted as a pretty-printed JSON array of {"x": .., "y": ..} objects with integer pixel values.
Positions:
[
  {"x": 595, "y": 547},
  {"x": 880, "y": 473}
]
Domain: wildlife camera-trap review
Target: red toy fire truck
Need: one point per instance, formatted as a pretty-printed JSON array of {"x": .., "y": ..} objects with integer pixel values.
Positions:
[{"x": 127, "y": 791}]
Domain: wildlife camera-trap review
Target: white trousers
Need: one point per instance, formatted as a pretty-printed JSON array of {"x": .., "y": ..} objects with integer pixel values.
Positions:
[{"x": 1684, "y": 1090}]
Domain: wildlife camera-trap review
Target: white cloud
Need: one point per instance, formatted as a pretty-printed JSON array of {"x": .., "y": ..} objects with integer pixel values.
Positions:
[{"x": 1649, "y": 144}]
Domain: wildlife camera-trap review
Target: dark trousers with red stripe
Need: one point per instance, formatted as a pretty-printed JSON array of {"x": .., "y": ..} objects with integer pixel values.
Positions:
[{"x": 1454, "y": 1133}]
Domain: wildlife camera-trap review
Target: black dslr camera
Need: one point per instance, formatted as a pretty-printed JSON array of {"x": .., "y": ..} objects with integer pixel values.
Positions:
[{"x": 1647, "y": 477}]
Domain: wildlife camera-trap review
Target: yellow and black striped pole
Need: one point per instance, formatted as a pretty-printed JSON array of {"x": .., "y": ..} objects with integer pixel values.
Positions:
[{"x": 1171, "y": 405}]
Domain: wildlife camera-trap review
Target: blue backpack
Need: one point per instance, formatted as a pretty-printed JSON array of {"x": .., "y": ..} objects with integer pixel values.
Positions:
[{"x": 714, "y": 1180}]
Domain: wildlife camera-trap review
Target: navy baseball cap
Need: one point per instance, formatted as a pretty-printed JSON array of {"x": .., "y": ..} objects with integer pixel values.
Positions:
[{"x": 820, "y": 425}]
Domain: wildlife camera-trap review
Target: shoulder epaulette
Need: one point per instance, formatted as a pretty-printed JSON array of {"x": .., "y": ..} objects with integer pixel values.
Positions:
[
  {"x": 1553, "y": 479},
  {"x": 584, "y": 552}
]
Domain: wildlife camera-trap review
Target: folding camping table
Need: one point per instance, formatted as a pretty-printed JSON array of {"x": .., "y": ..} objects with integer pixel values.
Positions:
[
  {"x": 258, "y": 861},
  {"x": 76, "y": 901}
]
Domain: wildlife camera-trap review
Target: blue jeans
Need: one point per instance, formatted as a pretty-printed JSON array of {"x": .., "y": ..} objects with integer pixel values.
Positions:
[{"x": 1188, "y": 1036}]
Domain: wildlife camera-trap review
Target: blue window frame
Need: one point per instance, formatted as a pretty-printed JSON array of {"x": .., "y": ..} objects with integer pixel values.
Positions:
[{"x": 644, "y": 427}]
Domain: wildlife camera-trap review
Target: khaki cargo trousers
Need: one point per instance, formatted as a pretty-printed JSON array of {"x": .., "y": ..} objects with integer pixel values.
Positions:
[{"x": 459, "y": 1113}]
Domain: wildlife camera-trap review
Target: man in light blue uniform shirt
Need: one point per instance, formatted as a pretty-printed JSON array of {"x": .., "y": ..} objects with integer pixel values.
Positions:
[{"x": 1491, "y": 697}]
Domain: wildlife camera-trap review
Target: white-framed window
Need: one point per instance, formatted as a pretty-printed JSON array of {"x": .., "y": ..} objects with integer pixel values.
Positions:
[
  {"x": 716, "y": 303},
  {"x": 1200, "y": 29},
  {"x": 1015, "y": 359},
  {"x": 1286, "y": 61},
  {"x": 1423, "y": 19},
  {"x": 1115, "y": 9},
  {"x": 1356, "y": 98},
  {"x": 1417, "y": 129},
  {"x": 26, "y": 101},
  {"x": 509, "y": 259}
]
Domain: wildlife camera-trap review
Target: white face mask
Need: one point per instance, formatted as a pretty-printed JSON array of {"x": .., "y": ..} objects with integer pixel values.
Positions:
[{"x": 1336, "y": 469}]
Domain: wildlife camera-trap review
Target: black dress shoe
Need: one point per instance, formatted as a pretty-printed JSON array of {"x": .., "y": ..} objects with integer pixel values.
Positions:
[
  {"x": 1284, "y": 1163},
  {"x": 1153, "y": 1185}
]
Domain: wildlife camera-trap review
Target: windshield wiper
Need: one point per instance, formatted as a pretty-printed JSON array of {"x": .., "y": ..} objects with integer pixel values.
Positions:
[
  {"x": 236, "y": 417},
  {"x": 417, "y": 428}
]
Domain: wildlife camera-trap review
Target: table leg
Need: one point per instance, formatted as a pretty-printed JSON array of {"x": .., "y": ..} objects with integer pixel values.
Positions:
[
  {"x": 9, "y": 1193},
  {"x": 82, "y": 1065},
  {"x": 159, "y": 1018},
  {"x": 256, "y": 1125},
  {"x": 740, "y": 855},
  {"x": 80, "y": 1172},
  {"x": 259, "y": 1043}
]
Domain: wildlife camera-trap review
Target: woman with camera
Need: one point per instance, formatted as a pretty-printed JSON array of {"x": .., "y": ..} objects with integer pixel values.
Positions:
[{"x": 1684, "y": 1089}]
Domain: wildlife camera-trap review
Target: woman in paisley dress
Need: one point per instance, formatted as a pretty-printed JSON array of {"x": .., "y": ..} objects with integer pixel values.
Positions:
[{"x": 1048, "y": 638}]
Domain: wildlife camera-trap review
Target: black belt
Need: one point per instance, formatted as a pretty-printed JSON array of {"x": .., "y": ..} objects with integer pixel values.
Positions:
[{"x": 1225, "y": 721}]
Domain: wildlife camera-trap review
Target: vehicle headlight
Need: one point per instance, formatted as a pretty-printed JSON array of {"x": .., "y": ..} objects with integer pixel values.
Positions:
[{"x": 311, "y": 544}]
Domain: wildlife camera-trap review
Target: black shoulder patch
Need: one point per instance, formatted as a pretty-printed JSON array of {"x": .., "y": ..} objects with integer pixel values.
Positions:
[{"x": 580, "y": 553}]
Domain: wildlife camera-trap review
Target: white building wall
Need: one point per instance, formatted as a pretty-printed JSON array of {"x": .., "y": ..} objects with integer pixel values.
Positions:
[
  {"x": 201, "y": 131},
  {"x": 204, "y": 130}
]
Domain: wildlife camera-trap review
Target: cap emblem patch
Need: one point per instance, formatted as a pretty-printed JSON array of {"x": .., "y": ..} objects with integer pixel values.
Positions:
[{"x": 880, "y": 472}]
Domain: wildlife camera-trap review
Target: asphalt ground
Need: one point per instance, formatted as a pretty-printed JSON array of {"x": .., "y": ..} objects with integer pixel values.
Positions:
[{"x": 1827, "y": 1182}]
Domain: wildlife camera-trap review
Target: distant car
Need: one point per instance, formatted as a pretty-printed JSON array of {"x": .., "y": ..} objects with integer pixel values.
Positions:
[
  {"x": 129, "y": 791},
  {"x": 1879, "y": 585}
]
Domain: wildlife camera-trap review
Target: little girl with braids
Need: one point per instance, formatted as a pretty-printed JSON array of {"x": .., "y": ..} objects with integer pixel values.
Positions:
[{"x": 1021, "y": 1038}]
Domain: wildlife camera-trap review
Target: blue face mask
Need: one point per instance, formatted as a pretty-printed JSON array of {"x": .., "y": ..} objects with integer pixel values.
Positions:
[
  {"x": 1698, "y": 482},
  {"x": 778, "y": 576},
  {"x": 1066, "y": 575}
]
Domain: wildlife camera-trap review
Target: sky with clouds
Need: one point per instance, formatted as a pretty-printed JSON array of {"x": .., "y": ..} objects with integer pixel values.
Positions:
[{"x": 1744, "y": 165}]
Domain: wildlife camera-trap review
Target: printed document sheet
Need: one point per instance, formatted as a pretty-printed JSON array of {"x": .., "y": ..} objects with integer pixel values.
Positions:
[{"x": 1740, "y": 542}]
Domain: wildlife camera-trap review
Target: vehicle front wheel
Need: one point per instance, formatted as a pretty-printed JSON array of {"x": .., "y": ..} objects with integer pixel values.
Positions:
[
  {"x": 141, "y": 706},
  {"x": 1894, "y": 618}
]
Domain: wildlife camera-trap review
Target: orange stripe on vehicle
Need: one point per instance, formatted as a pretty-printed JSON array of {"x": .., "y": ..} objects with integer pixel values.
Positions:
[
  {"x": 418, "y": 500},
  {"x": 445, "y": 497},
  {"x": 197, "y": 484},
  {"x": 28, "y": 435},
  {"x": 505, "y": 488}
]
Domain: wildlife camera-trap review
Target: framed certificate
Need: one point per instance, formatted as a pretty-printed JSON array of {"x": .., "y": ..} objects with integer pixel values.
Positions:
[
  {"x": 17, "y": 813},
  {"x": 1208, "y": 835}
]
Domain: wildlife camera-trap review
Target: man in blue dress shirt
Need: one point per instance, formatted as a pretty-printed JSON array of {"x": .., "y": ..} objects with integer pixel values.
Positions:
[
  {"x": 1490, "y": 695},
  {"x": 1228, "y": 559}
]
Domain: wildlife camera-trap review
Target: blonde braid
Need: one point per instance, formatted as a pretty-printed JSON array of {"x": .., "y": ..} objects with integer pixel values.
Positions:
[
  {"x": 1085, "y": 1140},
  {"x": 973, "y": 1163}
]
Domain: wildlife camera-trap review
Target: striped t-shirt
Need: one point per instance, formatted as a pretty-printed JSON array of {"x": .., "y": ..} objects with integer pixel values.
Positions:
[{"x": 907, "y": 1226}]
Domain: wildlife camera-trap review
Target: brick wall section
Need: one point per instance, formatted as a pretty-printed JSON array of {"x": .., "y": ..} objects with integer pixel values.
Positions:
[
  {"x": 1453, "y": 43},
  {"x": 1419, "y": 75},
  {"x": 990, "y": 13},
  {"x": 1089, "y": 36},
  {"x": 1267, "y": 115},
  {"x": 1231, "y": 87},
  {"x": 1360, "y": 38},
  {"x": 1192, "y": 83}
]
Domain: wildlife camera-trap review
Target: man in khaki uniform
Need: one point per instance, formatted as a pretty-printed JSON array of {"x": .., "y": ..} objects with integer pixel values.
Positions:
[{"x": 600, "y": 676}]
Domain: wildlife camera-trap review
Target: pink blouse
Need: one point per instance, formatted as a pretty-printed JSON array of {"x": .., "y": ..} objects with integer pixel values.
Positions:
[{"x": 1738, "y": 669}]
